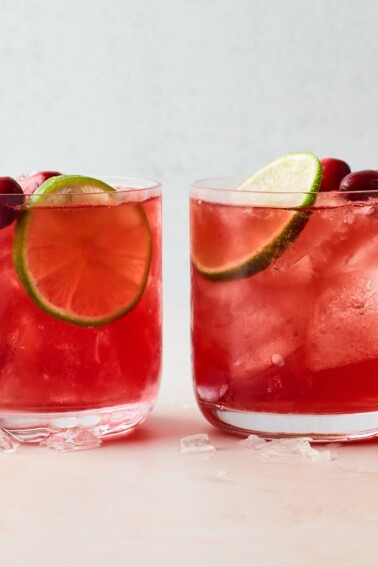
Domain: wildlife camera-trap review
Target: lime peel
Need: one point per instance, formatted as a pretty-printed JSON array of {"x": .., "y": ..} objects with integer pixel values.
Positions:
[
  {"x": 290, "y": 182},
  {"x": 84, "y": 265}
]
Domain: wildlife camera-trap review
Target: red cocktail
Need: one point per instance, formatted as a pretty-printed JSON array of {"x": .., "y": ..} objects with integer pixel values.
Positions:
[
  {"x": 285, "y": 335},
  {"x": 80, "y": 317}
]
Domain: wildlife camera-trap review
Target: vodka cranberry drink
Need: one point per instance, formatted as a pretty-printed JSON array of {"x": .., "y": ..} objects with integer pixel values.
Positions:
[
  {"x": 285, "y": 300},
  {"x": 80, "y": 314}
]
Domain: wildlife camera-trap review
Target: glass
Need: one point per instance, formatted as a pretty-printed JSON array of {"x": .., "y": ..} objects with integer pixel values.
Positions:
[
  {"x": 290, "y": 348},
  {"x": 99, "y": 372}
]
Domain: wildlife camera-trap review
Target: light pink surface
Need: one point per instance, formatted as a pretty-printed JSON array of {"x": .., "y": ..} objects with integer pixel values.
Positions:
[{"x": 140, "y": 502}]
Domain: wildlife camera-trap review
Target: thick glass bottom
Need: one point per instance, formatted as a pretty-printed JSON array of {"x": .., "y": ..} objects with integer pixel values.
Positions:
[
  {"x": 320, "y": 427},
  {"x": 104, "y": 423}
]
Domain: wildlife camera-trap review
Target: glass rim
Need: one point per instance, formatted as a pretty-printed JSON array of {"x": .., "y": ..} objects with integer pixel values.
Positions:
[
  {"x": 130, "y": 182},
  {"x": 128, "y": 185},
  {"x": 224, "y": 190}
]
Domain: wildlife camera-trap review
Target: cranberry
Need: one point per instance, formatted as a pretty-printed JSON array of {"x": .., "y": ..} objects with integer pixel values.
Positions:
[
  {"x": 365, "y": 183},
  {"x": 333, "y": 172},
  {"x": 37, "y": 179},
  {"x": 11, "y": 196}
]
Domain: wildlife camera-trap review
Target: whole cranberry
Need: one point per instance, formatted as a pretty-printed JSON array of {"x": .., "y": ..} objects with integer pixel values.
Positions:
[
  {"x": 11, "y": 197},
  {"x": 333, "y": 172},
  {"x": 37, "y": 179},
  {"x": 365, "y": 183}
]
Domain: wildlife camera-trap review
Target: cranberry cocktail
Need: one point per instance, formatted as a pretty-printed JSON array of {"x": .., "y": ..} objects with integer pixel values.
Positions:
[
  {"x": 80, "y": 317},
  {"x": 285, "y": 300}
]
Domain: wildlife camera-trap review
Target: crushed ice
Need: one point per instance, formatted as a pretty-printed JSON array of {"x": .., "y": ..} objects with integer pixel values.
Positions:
[
  {"x": 253, "y": 442},
  {"x": 73, "y": 439},
  {"x": 279, "y": 449},
  {"x": 198, "y": 443},
  {"x": 8, "y": 444}
]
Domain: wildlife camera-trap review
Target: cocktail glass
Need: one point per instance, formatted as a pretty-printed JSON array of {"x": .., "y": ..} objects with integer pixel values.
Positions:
[
  {"x": 80, "y": 312},
  {"x": 287, "y": 344}
]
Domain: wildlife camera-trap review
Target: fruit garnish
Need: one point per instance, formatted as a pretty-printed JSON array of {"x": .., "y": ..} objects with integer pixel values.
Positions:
[
  {"x": 85, "y": 264},
  {"x": 34, "y": 181},
  {"x": 11, "y": 196},
  {"x": 365, "y": 183},
  {"x": 291, "y": 181},
  {"x": 334, "y": 170}
]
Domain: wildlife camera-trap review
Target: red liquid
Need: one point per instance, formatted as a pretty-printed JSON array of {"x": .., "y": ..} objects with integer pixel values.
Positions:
[
  {"x": 300, "y": 336},
  {"x": 47, "y": 365}
]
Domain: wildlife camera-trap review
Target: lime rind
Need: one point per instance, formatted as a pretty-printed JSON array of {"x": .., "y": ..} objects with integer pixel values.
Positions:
[
  {"x": 289, "y": 182},
  {"x": 292, "y": 180},
  {"x": 19, "y": 249},
  {"x": 250, "y": 266},
  {"x": 64, "y": 182},
  {"x": 65, "y": 190}
]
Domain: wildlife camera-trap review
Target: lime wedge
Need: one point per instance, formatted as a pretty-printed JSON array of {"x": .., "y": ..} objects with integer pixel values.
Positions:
[
  {"x": 229, "y": 244},
  {"x": 81, "y": 255}
]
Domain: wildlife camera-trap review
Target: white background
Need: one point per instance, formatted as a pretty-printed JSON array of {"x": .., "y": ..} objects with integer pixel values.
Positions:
[{"x": 182, "y": 89}]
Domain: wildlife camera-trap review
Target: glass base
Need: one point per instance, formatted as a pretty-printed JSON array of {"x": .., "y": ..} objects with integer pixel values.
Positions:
[
  {"x": 104, "y": 423},
  {"x": 320, "y": 427}
]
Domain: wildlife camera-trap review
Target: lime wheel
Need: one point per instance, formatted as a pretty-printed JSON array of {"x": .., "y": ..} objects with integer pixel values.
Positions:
[
  {"x": 81, "y": 254},
  {"x": 238, "y": 246}
]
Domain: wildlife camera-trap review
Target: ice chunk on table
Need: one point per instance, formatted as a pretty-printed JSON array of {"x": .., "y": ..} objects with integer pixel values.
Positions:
[
  {"x": 253, "y": 442},
  {"x": 8, "y": 444},
  {"x": 73, "y": 439},
  {"x": 281, "y": 449},
  {"x": 198, "y": 443}
]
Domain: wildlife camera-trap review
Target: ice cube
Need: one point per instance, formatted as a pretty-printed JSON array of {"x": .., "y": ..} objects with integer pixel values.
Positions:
[
  {"x": 343, "y": 327},
  {"x": 246, "y": 321},
  {"x": 198, "y": 443},
  {"x": 279, "y": 450},
  {"x": 8, "y": 444},
  {"x": 253, "y": 442},
  {"x": 366, "y": 254},
  {"x": 269, "y": 325},
  {"x": 73, "y": 439},
  {"x": 329, "y": 238}
]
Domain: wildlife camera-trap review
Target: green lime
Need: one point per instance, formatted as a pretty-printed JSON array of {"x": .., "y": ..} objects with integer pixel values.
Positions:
[
  {"x": 81, "y": 254},
  {"x": 229, "y": 244}
]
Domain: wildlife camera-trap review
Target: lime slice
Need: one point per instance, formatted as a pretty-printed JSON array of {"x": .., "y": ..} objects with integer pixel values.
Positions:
[
  {"x": 229, "y": 244},
  {"x": 81, "y": 255}
]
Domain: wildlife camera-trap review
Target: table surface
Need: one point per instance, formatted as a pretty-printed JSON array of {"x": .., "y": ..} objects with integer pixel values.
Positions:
[{"x": 139, "y": 500}]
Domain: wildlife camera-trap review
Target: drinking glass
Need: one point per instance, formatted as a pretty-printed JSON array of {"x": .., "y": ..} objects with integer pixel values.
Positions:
[
  {"x": 80, "y": 312},
  {"x": 285, "y": 320}
]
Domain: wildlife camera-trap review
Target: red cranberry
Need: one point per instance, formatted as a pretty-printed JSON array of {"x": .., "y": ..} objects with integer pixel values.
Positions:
[
  {"x": 333, "y": 172},
  {"x": 11, "y": 196},
  {"x": 365, "y": 183},
  {"x": 37, "y": 179}
]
